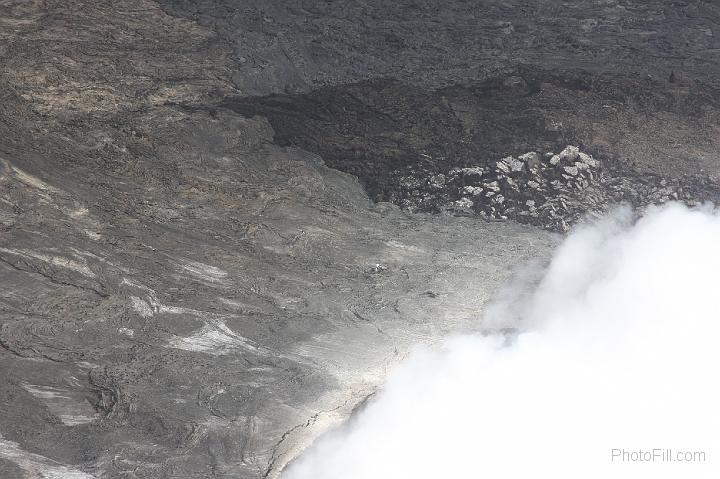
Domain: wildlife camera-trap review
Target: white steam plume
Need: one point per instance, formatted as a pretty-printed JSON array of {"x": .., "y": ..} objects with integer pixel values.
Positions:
[{"x": 618, "y": 353}]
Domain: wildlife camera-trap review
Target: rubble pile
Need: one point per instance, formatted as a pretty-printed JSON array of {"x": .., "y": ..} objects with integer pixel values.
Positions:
[{"x": 551, "y": 190}]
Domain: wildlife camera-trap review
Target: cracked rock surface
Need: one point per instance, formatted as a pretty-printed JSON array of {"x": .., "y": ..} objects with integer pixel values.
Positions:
[
  {"x": 188, "y": 299},
  {"x": 201, "y": 267},
  {"x": 554, "y": 191}
]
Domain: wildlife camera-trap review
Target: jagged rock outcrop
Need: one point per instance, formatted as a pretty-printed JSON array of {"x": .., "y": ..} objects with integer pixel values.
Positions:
[{"x": 554, "y": 191}]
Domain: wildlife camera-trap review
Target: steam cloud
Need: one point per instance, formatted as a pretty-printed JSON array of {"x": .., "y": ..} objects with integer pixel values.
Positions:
[{"x": 617, "y": 350}]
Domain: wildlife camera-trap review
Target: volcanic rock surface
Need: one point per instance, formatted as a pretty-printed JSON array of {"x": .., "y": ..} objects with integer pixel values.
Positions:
[
  {"x": 554, "y": 191},
  {"x": 222, "y": 224}
]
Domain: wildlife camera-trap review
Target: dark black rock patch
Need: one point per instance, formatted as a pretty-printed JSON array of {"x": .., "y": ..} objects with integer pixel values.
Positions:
[{"x": 439, "y": 150}]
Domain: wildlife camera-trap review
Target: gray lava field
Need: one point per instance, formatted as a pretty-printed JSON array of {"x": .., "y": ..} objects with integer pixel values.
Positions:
[{"x": 222, "y": 223}]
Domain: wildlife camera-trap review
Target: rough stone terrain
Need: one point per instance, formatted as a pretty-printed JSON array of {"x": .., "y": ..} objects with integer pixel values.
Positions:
[
  {"x": 196, "y": 314},
  {"x": 200, "y": 266},
  {"x": 371, "y": 129},
  {"x": 284, "y": 48},
  {"x": 554, "y": 191}
]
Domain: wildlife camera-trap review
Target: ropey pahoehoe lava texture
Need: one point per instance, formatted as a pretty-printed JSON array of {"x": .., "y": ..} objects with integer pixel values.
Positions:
[{"x": 204, "y": 257}]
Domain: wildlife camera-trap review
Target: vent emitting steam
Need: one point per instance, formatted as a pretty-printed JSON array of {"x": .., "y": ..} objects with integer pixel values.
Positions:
[{"x": 617, "y": 351}]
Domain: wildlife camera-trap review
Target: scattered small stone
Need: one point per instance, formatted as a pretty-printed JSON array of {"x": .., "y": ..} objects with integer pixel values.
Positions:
[
  {"x": 503, "y": 165},
  {"x": 473, "y": 190},
  {"x": 588, "y": 160},
  {"x": 493, "y": 185},
  {"x": 571, "y": 170},
  {"x": 532, "y": 160},
  {"x": 555, "y": 192},
  {"x": 464, "y": 203},
  {"x": 570, "y": 154},
  {"x": 470, "y": 175},
  {"x": 378, "y": 268},
  {"x": 437, "y": 181},
  {"x": 516, "y": 165}
]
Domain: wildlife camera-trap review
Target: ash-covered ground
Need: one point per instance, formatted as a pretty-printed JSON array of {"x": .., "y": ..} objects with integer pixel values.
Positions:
[{"x": 221, "y": 225}]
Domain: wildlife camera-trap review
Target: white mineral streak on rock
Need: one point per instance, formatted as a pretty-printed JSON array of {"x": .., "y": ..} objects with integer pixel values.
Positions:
[
  {"x": 141, "y": 307},
  {"x": 93, "y": 235},
  {"x": 69, "y": 405},
  {"x": 79, "y": 213},
  {"x": 214, "y": 338},
  {"x": 76, "y": 420},
  {"x": 127, "y": 332},
  {"x": 205, "y": 272},
  {"x": 28, "y": 179},
  {"x": 37, "y": 466},
  {"x": 54, "y": 260},
  {"x": 44, "y": 392}
]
